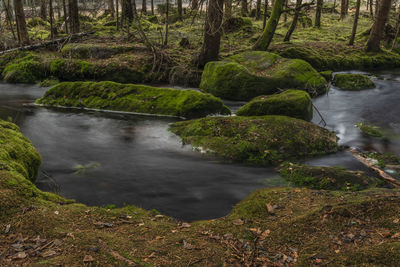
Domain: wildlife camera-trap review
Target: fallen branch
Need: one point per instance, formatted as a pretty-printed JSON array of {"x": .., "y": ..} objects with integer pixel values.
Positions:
[
  {"x": 383, "y": 175},
  {"x": 45, "y": 44}
]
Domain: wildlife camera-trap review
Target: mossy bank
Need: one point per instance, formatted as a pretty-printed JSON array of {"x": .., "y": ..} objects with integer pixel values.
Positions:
[
  {"x": 133, "y": 98},
  {"x": 250, "y": 74},
  {"x": 292, "y": 103},
  {"x": 264, "y": 140},
  {"x": 353, "y": 82}
]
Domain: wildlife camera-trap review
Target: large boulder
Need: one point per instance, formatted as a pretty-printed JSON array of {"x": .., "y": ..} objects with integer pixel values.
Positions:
[
  {"x": 133, "y": 98},
  {"x": 250, "y": 74},
  {"x": 292, "y": 103},
  {"x": 265, "y": 140},
  {"x": 353, "y": 82}
]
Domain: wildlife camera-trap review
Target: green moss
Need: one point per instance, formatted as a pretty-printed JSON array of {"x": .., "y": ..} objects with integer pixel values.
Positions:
[
  {"x": 266, "y": 140},
  {"x": 27, "y": 69},
  {"x": 71, "y": 70},
  {"x": 33, "y": 22},
  {"x": 234, "y": 24},
  {"x": 369, "y": 130},
  {"x": 328, "y": 74},
  {"x": 49, "y": 82},
  {"x": 250, "y": 74},
  {"x": 384, "y": 159},
  {"x": 353, "y": 82},
  {"x": 292, "y": 103},
  {"x": 83, "y": 51},
  {"x": 327, "y": 178},
  {"x": 133, "y": 98}
]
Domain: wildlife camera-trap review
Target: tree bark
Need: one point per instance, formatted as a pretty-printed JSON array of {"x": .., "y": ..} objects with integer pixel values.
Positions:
[
  {"x": 343, "y": 9},
  {"x": 373, "y": 44},
  {"x": 179, "y": 4},
  {"x": 265, "y": 13},
  {"x": 228, "y": 9},
  {"x": 258, "y": 9},
  {"x": 51, "y": 16},
  {"x": 166, "y": 23},
  {"x": 195, "y": 4},
  {"x": 22, "y": 32},
  {"x": 144, "y": 6},
  {"x": 111, "y": 8},
  {"x": 212, "y": 32},
  {"x": 244, "y": 11},
  {"x": 265, "y": 40},
  {"x": 43, "y": 10},
  {"x": 65, "y": 17},
  {"x": 74, "y": 25},
  {"x": 294, "y": 22},
  {"x": 318, "y": 12},
  {"x": 152, "y": 7},
  {"x": 371, "y": 4},
  {"x": 353, "y": 33}
]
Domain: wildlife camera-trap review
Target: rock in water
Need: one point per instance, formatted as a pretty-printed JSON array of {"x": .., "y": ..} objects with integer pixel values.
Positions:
[
  {"x": 264, "y": 140},
  {"x": 250, "y": 74},
  {"x": 133, "y": 98},
  {"x": 292, "y": 103},
  {"x": 353, "y": 82}
]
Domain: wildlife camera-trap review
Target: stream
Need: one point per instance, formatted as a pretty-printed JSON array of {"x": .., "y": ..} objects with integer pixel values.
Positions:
[{"x": 102, "y": 158}]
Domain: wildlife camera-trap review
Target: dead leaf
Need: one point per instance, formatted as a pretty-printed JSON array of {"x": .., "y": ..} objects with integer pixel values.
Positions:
[
  {"x": 396, "y": 221},
  {"x": 20, "y": 256},
  {"x": 8, "y": 227},
  {"x": 265, "y": 234},
  {"x": 270, "y": 208},
  {"x": 49, "y": 253},
  {"x": 185, "y": 225},
  {"x": 238, "y": 222},
  {"x": 396, "y": 236},
  {"x": 187, "y": 245},
  {"x": 88, "y": 259}
]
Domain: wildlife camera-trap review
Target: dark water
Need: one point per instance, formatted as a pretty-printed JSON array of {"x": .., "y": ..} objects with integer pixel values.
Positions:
[{"x": 130, "y": 159}]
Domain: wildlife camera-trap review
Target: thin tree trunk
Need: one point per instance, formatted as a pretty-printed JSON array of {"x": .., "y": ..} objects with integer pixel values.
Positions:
[
  {"x": 51, "y": 15},
  {"x": 244, "y": 10},
  {"x": 333, "y": 7},
  {"x": 179, "y": 3},
  {"x": 343, "y": 9},
  {"x": 43, "y": 10},
  {"x": 9, "y": 19},
  {"x": 195, "y": 4},
  {"x": 73, "y": 16},
  {"x": 371, "y": 4},
  {"x": 397, "y": 31},
  {"x": 23, "y": 37},
  {"x": 166, "y": 24},
  {"x": 111, "y": 8},
  {"x": 265, "y": 40},
  {"x": 294, "y": 22},
  {"x": 144, "y": 6},
  {"x": 318, "y": 12},
  {"x": 212, "y": 32},
  {"x": 258, "y": 9},
  {"x": 285, "y": 14},
  {"x": 376, "y": 7},
  {"x": 152, "y": 7},
  {"x": 353, "y": 33},
  {"x": 65, "y": 17},
  {"x": 117, "y": 13},
  {"x": 265, "y": 13},
  {"x": 373, "y": 44}
]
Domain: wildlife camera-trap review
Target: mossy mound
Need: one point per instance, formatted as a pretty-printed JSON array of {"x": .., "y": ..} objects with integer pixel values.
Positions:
[
  {"x": 353, "y": 82},
  {"x": 250, "y": 74},
  {"x": 26, "y": 69},
  {"x": 370, "y": 130},
  {"x": 97, "y": 51},
  {"x": 133, "y": 98},
  {"x": 17, "y": 153},
  {"x": 234, "y": 24},
  {"x": 327, "y": 178},
  {"x": 292, "y": 103},
  {"x": 328, "y": 75},
  {"x": 266, "y": 140}
]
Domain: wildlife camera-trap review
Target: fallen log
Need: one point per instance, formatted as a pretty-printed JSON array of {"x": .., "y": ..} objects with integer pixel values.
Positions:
[
  {"x": 48, "y": 43},
  {"x": 367, "y": 162}
]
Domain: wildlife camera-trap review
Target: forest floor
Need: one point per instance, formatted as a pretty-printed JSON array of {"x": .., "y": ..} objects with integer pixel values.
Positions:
[{"x": 271, "y": 227}]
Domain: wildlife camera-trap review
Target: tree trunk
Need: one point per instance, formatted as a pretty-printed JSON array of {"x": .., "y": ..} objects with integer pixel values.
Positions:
[
  {"x": 51, "y": 16},
  {"x": 9, "y": 19},
  {"x": 111, "y": 8},
  {"x": 144, "y": 6},
  {"x": 318, "y": 12},
  {"x": 22, "y": 32},
  {"x": 373, "y": 44},
  {"x": 353, "y": 33},
  {"x": 244, "y": 11},
  {"x": 376, "y": 7},
  {"x": 179, "y": 4},
  {"x": 265, "y": 13},
  {"x": 65, "y": 17},
  {"x": 294, "y": 22},
  {"x": 152, "y": 7},
  {"x": 333, "y": 7},
  {"x": 43, "y": 10},
  {"x": 127, "y": 12},
  {"x": 166, "y": 23},
  {"x": 265, "y": 40},
  {"x": 117, "y": 13},
  {"x": 285, "y": 14},
  {"x": 258, "y": 9},
  {"x": 343, "y": 9},
  {"x": 212, "y": 32},
  {"x": 228, "y": 9},
  {"x": 74, "y": 26},
  {"x": 195, "y": 4},
  {"x": 346, "y": 9},
  {"x": 371, "y": 4}
]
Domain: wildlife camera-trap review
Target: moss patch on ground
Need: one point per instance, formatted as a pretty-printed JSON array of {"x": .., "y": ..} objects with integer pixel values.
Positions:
[
  {"x": 264, "y": 140},
  {"x": 292, "y": 103},
  {"x": 133, "y": 98},
  {"x": 250, "y": 74},
  {"x": 278, "y": 226},
  {"x": 353, "y": 82},
  {"x": 84, "y": 51},
  {"x": 327, "y": 178}
]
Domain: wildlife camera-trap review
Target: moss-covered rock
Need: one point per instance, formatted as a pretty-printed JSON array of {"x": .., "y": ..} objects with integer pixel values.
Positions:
[
  {"x": 27, "y": 69},
  {"x": 133, "y": 98},
  {"x": 327, "y": 178},
  {"x": 234, "y": 24},
  {"x": 292, "y": 103},
  {"x": 84, "y": 51},
  {"x": 370, "y": 130},
  {"x": 254, "y": 73},
  {"x": 266, "y": 140},
  {"x": 72, "y": 70},
  {"x": 353, "y": 82},
  {"x": 328, "y": 75},
  {"x": 17, "y": 153}
]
